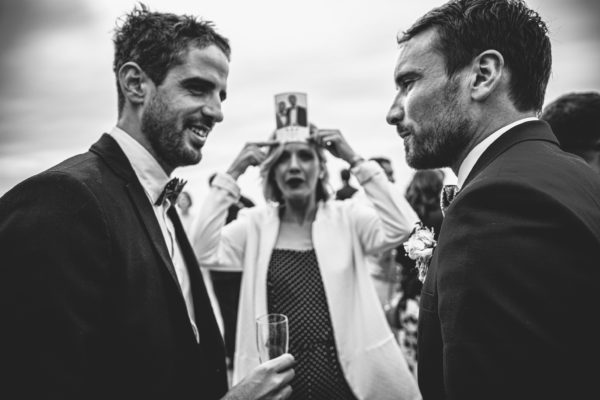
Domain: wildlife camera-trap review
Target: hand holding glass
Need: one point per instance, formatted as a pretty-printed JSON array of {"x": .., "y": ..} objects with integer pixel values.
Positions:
[{"x": 271, "y": 336}]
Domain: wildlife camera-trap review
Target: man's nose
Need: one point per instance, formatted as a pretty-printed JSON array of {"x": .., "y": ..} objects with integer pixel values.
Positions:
[
  {"x": 213, "y": 110},
  {"x": 395, "y": 114}
]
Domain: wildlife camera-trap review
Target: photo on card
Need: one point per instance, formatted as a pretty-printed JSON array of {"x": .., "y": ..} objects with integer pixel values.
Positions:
[{"x": 291, "y": 116}]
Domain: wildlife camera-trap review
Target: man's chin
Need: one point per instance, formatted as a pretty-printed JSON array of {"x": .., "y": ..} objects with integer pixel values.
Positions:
[
  {"x": 195, "y": 159},
  {"x": 187, "y": 159},
  {"x": 192, "y": 154},
  {"x": 422, "y": 162}
]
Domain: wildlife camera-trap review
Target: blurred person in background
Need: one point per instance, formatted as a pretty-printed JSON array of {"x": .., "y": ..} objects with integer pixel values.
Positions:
[
  {"x": 347, "y": 190},
  {"x": 304, "y": 255},
  {"x": 423, "y": 194},
  {"x": 575, "y": 120},
  {"x": 384, "y": 269},
  {"x": 184, "y": 205}
]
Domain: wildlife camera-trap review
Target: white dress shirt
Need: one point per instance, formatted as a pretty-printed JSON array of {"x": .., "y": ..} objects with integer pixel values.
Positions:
[
  {"x": 474, "y": 155},
  {"x": 293, "y": 116},
  {"x": 153, "y": 179}
]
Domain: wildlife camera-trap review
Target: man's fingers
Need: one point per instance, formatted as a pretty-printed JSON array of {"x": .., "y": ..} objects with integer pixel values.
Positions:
[
  {"x": 285, "y": 393},
  {"x": 281, "y": 363},
  {"x": 287, "y": 376}
]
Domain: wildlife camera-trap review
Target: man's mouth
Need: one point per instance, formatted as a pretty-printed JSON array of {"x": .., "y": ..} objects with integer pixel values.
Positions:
[
  {"x": 403, "y": 133},
  {"x": 201, "y": 131}
]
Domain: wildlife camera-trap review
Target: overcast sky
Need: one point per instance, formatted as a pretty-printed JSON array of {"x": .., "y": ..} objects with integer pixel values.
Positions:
[{"x": 57, "y": 90}]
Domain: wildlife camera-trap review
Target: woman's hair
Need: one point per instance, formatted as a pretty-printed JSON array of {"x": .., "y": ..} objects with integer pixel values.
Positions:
[
  {"x": 270, "y": 189},
  {"x": 423, "y": 192}
]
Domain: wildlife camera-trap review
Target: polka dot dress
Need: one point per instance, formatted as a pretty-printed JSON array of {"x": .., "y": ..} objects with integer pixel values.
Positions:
[{"x": 295, "y": 288}]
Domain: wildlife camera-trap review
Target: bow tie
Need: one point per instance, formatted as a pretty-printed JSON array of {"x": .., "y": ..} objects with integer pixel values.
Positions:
[
  {"x": 171, "y": 191},
  {"x": 449, "y": 192}
]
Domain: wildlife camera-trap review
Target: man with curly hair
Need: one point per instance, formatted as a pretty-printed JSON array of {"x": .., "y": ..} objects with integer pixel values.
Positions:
[{"x": 102, "y": 294}]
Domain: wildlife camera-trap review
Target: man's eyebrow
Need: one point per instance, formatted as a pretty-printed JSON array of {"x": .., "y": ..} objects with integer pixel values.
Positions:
[{"x": 414, "y": 73}]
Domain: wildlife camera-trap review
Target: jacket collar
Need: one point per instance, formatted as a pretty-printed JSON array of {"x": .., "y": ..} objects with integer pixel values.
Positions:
[
  {"x": 109, "y": 150},
  {"x": 532, "y": 130}
]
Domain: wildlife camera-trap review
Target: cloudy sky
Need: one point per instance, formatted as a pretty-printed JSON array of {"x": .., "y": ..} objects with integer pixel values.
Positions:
[{"x": 57, "y": 91}]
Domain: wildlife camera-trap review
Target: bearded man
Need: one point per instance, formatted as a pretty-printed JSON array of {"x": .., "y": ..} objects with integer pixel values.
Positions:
[
  {"x": 102, "y": 295},
  {"x": 509, "y": 304}
]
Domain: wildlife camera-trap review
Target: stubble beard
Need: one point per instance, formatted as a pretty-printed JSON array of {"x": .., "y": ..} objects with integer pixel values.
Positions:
[
  {"x": 159, "y": 124},
  {"x": 440, "y": 143}
]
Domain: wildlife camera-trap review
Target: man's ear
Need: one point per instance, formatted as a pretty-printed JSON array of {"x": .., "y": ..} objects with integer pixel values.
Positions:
[
  {"x": 487, "y": 74},
  {"x": 134, "y": 83}
]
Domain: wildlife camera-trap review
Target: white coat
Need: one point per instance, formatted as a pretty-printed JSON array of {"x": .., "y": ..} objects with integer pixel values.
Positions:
[{"x": 343, "y": 233}]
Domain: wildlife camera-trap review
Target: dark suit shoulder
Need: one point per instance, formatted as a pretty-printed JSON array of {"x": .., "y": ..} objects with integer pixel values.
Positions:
[
  {"x": 548, "y": 173},
  {"x": 518, "y": 250}
]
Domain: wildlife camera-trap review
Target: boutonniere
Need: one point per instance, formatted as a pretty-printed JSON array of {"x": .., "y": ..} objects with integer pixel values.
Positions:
[{"x": 419, "y": 247}]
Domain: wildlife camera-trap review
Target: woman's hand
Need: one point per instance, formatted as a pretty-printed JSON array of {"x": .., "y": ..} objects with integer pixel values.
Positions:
[
  {"x": 335, "y": 143},
  {"x": 251, "y": 154}
]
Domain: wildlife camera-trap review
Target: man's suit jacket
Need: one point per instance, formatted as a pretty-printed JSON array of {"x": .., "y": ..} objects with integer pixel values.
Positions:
[
  {"x": 509, "y": 308},
  {"x": 300, "y": 116},
  {"x": 94, "y": 308}
]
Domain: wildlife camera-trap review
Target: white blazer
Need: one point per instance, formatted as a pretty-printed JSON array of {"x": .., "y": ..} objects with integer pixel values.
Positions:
[{"x": 343, "y": 233}]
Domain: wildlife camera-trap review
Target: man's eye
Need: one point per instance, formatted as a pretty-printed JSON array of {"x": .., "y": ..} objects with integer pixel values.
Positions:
[
  {"x": 197, "y": 89},
  {"x": 406, "y": 84}
]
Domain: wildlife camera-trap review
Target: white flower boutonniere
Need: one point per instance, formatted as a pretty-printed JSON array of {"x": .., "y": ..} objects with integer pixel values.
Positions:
[{"x": 419, "y": 247}]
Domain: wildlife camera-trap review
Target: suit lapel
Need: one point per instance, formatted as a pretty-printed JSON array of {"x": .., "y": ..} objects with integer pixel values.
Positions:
[
  {"x": 533, "y": 130},
  {"x": 108, "y": 149}
]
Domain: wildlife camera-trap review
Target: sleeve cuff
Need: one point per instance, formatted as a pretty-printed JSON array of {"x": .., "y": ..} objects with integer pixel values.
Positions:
[
  {"x": 226, "y": 182},
  {"x": 366, "y": 170}
]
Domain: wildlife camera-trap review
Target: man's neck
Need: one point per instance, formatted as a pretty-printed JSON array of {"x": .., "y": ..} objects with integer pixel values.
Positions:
[
  {"x": 131, "y": 125},
  {"x": 485, "y": 128}
]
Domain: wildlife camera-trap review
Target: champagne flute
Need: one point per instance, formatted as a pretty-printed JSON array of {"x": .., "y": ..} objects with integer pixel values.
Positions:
[{"x": 272, "y": 336}]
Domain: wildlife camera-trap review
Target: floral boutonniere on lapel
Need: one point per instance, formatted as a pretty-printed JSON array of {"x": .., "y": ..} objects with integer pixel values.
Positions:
[{"x": 419, "y": 247}]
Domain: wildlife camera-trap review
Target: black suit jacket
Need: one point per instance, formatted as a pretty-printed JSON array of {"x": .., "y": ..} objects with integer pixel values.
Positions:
[
  {"x": 509, "y": 308},
  {"x": 92, "y": 305},
  {"x": 300, "y": 116}
]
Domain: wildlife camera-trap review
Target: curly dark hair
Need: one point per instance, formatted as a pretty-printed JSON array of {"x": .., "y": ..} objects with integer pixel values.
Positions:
[
  {"x": 159, "y": 41},
  {"x": 468, "y": 27}
]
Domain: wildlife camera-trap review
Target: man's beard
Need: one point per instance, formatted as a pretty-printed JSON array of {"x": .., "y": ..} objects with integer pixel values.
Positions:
[
  {"x": 159, "y": 124},
  {"x": 441, "y": 142}
]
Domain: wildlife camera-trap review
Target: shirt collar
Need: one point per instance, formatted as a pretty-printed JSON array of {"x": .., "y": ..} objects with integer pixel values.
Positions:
[
  {"x": 149, "y": 172},
  {"x": 474, "y": 155}
]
